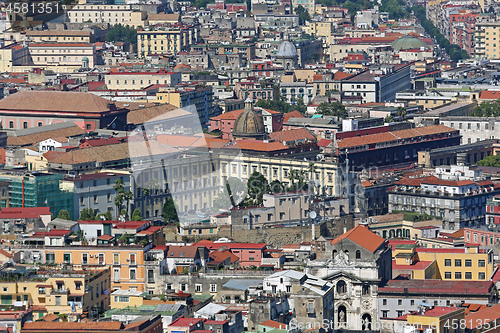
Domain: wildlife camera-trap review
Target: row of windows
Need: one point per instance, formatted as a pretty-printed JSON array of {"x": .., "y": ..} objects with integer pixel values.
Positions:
[
  {"x": 469, "y": 126},
  {"x": 467, "y": 262},
  {"x": 468, "y": 275}
]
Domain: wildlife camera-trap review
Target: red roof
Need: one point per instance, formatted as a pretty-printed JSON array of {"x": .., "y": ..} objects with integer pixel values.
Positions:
[
  {"x": 293, "y": 114},
  {"x": 130, "y": 224},
  {"x": 482, "y": 317},
  {"x": 324, "y": 142},
  {"x": 216, "y": 322},
  {"x": 490, "y": 95},
  {"x": 105, "y": 237},
  {"x": 437, "y": 311},
  {"x": 274, "y": 324},
  {"x": 362, "y": 236},
  {"x": 5, "y": 253},
  {"x": 149, "y": 231},
  {"x": 51, "y": 233},
  {"x": 23, "y": 212},
  {"x": 417, "y": 266}
]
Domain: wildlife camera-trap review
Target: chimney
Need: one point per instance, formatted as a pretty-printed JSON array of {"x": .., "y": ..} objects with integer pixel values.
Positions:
[{"x": 112, "y": 106}]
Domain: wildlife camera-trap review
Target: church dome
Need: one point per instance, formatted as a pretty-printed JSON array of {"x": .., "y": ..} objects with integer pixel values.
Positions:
[
  {"x": 286, "y": 50},
  {"x": 408, "y": 42},
  {"x": 249, "y": 123}
]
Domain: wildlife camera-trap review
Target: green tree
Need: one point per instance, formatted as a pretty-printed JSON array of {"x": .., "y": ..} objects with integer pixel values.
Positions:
[
  {"x": 118, "y": 204},
  {"x": 121, "y": 33},
  {"x": 136, "y": 215},
  {"x": 257, "y": 185},
  {"x": 64, "y": 214},
  {"x": 276, "y": 186},
  {"x": 492, "y": 161},
  {"x": 169, "y": 212},
  {"x": 303, "y": 14},
  {"x": 389, "y": 119},
  {"x": 402, "y": 113},
  {"x": 87, "y": 214},
  {"x": 124, "y": 213},
  {"x": 335, "y": 109},
  {"x": 107, "y": 215}
]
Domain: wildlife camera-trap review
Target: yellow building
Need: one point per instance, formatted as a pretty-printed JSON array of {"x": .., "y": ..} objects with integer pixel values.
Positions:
[
  {"x": 121, "y": 299},
  {"x": 111, "y": 14},
  {"x": 487, "y": 36},
  {"x": 140, "y": 80},
  {"x": 437, "y": 319},
  {"x": 160, "y": 42},
  {"x": 126, "y": 262},
  {"x": 470, "y": 263},
  {"x": 60, "y": 292}
]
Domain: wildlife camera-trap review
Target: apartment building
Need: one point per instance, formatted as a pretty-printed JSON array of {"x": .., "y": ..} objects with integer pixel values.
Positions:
[
  {"x": 487, "y": 36},
  {"x": 63, "y": 54},
  {"x": 399, "y": 297},
  {"x": 110, "y": 14},
  {"x": 60, "y": 291},
  {"x": 126, "y": 262},
  {"x": 459, "y": 201},
  {"x": 181, "y": 96},
  {"x": 453, "y": 264},
  {"x": 170, "y": 40},
  {"x": 140, "y": 80},
  {"x": 473, "y": 129}
]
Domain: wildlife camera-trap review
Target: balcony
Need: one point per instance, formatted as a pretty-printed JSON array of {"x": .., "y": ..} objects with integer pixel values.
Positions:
[{"x": 59, "y": 292}]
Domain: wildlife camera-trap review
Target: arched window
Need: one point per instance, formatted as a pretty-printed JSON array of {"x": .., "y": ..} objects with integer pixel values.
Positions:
[
  {"x": 40, "y": 124},
  {"x": 25, "y": 124},
  {"x": 358, "y": 254},
  {"x": 366, "y": 290},
  {"x": 341, "y": 287},
  {"x": 11, "y": 124},
  {"x": 334, "y": 253}
]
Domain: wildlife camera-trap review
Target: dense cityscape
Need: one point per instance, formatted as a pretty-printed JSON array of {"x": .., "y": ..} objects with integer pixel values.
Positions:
[{"x": 262, "y": 166}]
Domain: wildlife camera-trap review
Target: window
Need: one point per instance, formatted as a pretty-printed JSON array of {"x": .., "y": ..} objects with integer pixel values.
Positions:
[
  {"x": 458, "y": 262},
  {"x": 481, "y": 276},
  {"x": 412, "y": 302},
  {"x": 481, "y": 263},
  {"x": 116, "y": 258},
  {"x": 78, "y": 285},
  {"x": 366, "y": 290},
  {"x": 183, "y": 287},
  {"x": 447, "y": 262},
  {"x": 11, "y": 124},
  {"x": 447, "y": 275},
  {"x": 341, "y": 287},
  {"x": 100, "y": 257},
  {"x": 116, "y": 275},
  {"x": 358, "y": 254},
  {"x": 41, "y": 290},
  {"x": 458, "y": 275},
  {"x": 67, "y": 258},
  {"x": 198, "y": 288},
  {"x": 468, "y": 263},
  {"x": 50, "y": 258},
  {"x": 58, "y": 300},
  {"x": 400, "y": 313},
  {"x": 384, "y": 301},
  {"x": 468, "y": 275},
  {"x": 132, "y": 274},
  {"x": 385, "y": 313},
  {"x": 85, "y": 258},
  {"x": 132, "y": 258},
  {"x": 25, "y": 124},
  {"x": 400, "y": 302},
  {"x": 213, "y": 287}
]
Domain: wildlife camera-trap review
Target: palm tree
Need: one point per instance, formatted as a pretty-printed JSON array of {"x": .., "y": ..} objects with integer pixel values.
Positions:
[
  {"x": 127, "y": 196},
  {"x": 401, "y": 113}
]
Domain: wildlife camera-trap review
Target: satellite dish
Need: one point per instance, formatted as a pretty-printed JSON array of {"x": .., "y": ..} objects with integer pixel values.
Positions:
[{"x": 312, "y": 214}]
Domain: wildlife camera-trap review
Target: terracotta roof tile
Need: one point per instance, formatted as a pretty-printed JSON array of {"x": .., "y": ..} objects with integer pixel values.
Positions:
[
  {"x": 72, "y": 326},
  {"x": 292, "y": 135},
  {"x": 55, "y": 101},
  {"x": 38, "y": 137},
  {"x": 158, "y": 112},
  {"x": 362, "y": 236}
]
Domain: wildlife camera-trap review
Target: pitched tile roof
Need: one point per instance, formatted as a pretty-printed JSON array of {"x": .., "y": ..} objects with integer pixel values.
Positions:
[
  {"x": 393, "y": 136},
  {"x": 162, "y": 111},
  {"x": 54, "y": 101},
  {"x": 489, "y": 95},
  {"x": 115, "y": 152},
  {"x": 362, "y": 236},
  {"x": 482, "y": 317},
  {"x": 182, "y": 251},
  {"x": 41, "y": 136},
  {"x": 274, "y": 324},
  {"x": 231, "y": 115},
  {"x": 292, "y": 135},
  {"x": 5, "y": 253},
  {"x": 293, "y": 114}
]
